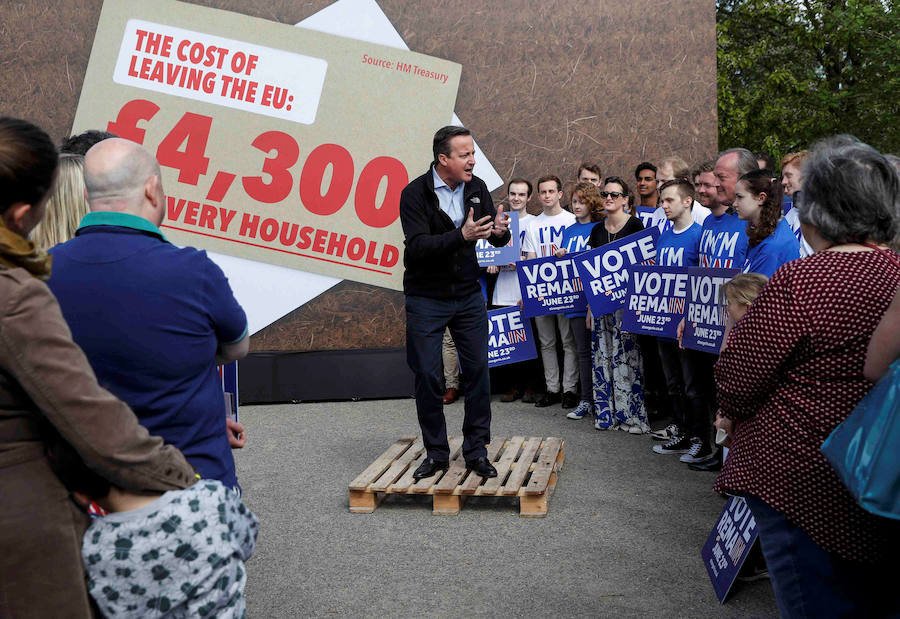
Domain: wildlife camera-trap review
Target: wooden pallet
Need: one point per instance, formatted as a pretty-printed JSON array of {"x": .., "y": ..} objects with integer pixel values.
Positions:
[{"x": 526, "y": 468}]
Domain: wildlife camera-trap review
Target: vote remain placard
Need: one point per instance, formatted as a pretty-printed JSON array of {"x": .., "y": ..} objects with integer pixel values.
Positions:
[
  {"x": 704, "y": 318},
  {"x": 488, "y": 255},
  {"x": 277, "y": 144},
  {"x": 728, "y": 545},
  {"x": 655, "y": 301},
  {"x": 604, "y": 271},
  {"x": 550, "y": 286},
  {"x": 510, "y": 338}
]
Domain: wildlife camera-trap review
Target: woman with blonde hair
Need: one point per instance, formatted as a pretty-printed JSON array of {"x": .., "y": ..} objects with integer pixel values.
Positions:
[{"x": 66, "y": 205}]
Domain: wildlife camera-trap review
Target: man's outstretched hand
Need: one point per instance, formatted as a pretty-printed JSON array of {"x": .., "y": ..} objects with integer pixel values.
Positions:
[{"x": 474, "y": 230}]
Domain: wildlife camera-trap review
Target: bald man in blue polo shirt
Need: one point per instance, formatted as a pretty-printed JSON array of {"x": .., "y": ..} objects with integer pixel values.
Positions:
[{"x": 153, "y": 319}]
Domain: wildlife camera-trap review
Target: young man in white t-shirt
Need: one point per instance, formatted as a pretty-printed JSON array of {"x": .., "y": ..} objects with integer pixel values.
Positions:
[
  {"x": 506, "y": 290},
  {"x": 519, "y": 377},
  {"x": 544, "y": 237}
]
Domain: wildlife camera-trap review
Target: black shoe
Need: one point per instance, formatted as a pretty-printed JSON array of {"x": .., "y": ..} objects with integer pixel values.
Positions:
[
  {"x": 511, "y": 396},
  {"x": 548, "y": 399},
  {"x": 570, "y": 400},
  {"x": 529, "y": 397},
  {"x": 429, "y": 467},
  {"x": 482, "y": 467},
  {"x": 712, "y": 465}
]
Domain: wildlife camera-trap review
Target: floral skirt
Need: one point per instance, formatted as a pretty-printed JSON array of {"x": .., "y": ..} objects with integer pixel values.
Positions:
[{"x": 617, "y": 374}]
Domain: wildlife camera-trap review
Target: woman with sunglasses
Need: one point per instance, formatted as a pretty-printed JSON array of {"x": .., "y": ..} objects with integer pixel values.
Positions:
[{"x": 617, "y": 363}]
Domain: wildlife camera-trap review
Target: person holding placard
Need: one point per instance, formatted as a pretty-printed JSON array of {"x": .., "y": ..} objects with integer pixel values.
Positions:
[
  {"x": 444, "y": 212},
  {"x": 680, "y": 246},
  {"x": 770, "y": 242},
  {"x": 588, "y": 208},
  {"x": 544, "y": 237},
  {"x": 520, "y": 377},
  {"x": 792, "y": 371},
  {"x": 617, "y": 366}
]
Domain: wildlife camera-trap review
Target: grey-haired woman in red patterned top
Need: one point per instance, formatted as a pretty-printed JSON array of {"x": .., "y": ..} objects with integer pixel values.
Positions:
[{"x": 793, "y": 370}]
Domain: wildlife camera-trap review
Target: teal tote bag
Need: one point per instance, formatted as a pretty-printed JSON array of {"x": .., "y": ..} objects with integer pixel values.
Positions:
[{"x": 864, "y": 449}]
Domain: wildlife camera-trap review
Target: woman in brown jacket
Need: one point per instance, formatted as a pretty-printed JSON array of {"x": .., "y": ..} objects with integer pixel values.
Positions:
[{"x": 48, "y": 393}]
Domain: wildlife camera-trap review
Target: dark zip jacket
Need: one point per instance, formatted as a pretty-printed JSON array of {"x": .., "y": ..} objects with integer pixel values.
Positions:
[{"x": 439, "y": 262}]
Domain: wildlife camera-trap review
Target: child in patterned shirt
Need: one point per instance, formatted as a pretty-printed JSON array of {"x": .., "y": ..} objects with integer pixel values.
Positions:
[{"x": 176, "y": 554}]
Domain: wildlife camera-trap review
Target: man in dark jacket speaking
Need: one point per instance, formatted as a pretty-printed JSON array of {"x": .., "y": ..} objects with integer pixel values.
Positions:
[{"x": 444, "y": 213}]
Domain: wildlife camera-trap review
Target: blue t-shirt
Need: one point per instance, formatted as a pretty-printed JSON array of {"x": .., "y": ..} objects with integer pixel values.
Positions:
[
  {"x": 723, "y": 244},
  {"x": 779, "y": 247},
  {"x": 575, "y": 239},
  {"x": 679, "y": 249},
  {"x": 150, "y": 317}
]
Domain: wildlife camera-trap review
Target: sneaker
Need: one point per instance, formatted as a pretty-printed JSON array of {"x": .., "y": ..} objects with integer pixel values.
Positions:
[
  {"x": 638, "y": 428},
  {"x": 550, "y": 398},
  {"x": 529, "y": 397},
  {"x": 583, "y": 409},
  {"x": 569, "y": 400},
  {"x": 666, "y": 434},
  {"x": 600, "y": 426},
  {"x": 677, "y": 445},
  {"x": 698, "y": 452}
]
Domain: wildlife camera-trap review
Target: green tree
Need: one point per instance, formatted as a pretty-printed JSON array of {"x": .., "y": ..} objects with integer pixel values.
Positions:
[{"x": 793, "y": 71}]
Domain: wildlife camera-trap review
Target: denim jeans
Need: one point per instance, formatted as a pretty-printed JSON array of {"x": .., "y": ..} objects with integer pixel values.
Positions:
[
  {"x": 466, "y": 317},
  {"x": 811, "y": 582}
]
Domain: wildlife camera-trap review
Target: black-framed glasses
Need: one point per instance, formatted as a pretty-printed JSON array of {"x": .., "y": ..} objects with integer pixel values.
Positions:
[{"x": 611, "y": 194}]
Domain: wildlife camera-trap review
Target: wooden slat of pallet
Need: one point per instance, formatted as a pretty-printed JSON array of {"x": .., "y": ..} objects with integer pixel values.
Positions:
[
  {"x": 452, "y": 477},
  {"x": 544, "y": 466},
  {"x": 424, "y": 486},
  {"x": 472, "y": 481},
  {"x": 521, "y": 467},
  {"x": 374, "y": 470},
  {"x": 398, "y": 467},
  {"x": 510, "y": 451}
]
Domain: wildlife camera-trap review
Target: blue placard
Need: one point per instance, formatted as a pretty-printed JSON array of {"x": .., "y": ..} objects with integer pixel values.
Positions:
[
  {"x": 551, "y": 286},
  {"x": 645, "y": 214},
  {"x": 604, "y": 271},
  {"x": 728, "y": 545},
  {"x": 509, "y": 337},
  {"x": 655, "y": 301},
  {"x": 488, "y": 255},
  {"x": 704, "y": 312}
]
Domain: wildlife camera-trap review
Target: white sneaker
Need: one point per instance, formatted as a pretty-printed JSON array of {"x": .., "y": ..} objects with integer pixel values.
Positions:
[
  {"x": 639, "y": 428},
  {"x": 597, "y": 426}
]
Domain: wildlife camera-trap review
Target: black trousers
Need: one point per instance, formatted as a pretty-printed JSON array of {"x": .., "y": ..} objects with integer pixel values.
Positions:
[
  {"x": 654, "y": 379},
  {"x": 690, "y": 385},
  {"x": 466, "y": 317}
]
